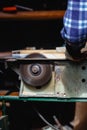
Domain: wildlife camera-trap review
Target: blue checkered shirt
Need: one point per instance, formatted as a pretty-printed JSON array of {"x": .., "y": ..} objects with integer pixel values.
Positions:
[{"x": 75, "y": 22}]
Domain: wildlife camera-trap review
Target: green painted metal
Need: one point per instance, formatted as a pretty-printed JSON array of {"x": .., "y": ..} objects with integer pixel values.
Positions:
[{"x": 46, "y": 99}]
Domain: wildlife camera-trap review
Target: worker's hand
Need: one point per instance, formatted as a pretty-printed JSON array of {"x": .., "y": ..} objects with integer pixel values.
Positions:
[
  {"x": 82, "y": 56},
  {"x": 76, "y": 53}
]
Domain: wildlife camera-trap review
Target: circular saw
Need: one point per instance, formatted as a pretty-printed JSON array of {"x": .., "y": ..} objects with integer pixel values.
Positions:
[{"x": 36, "y": 74}]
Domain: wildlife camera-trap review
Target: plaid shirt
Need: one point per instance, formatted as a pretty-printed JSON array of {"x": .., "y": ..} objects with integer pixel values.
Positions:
[{"x": 75, "y": 22}]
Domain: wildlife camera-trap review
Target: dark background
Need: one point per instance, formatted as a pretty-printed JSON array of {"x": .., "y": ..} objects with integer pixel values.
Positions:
[
  {"x": 22, "y": 115},
  {"x": 38, "y": 33},
  {"x": 18, "y": 34},
  {"x": 36, "y": 4}
]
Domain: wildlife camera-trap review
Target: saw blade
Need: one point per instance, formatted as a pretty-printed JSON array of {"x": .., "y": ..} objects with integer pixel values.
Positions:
[{"x": 36, "y": 74}]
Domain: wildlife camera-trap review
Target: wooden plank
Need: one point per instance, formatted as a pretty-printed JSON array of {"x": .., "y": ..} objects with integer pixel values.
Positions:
[
  {"x": 53, "y": 54},
  {"x": 33, "y": 15},
  {"x": 4, "y": 92}
]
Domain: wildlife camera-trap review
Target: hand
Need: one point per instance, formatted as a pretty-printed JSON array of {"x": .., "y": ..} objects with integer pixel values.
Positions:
[
  {"x": 81, "y": 57},
  {"x": 76, "y": 53}
]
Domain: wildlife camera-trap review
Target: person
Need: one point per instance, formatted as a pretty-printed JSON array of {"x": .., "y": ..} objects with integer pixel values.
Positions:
[{"x": 74, "y": 33}]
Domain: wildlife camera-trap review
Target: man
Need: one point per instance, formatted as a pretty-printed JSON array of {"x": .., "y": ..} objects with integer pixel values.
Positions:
[
  {"x": 74, "y": 34},
  {"x": 75, "y": 27}
]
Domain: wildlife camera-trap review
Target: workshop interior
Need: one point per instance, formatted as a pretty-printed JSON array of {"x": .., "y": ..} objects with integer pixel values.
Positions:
[{"x": 35, "y": 83}]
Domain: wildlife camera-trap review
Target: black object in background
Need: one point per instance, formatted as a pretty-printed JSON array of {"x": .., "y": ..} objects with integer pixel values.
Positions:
[
  {"x": 38, "y": 33},
  {"x": 4, "y": 124}
]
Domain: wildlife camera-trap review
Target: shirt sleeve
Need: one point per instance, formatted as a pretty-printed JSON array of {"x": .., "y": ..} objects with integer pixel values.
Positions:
[{"x": 75, "y": 22}]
